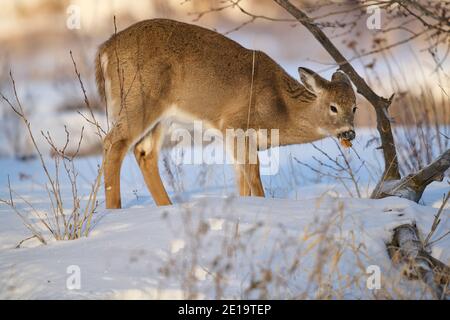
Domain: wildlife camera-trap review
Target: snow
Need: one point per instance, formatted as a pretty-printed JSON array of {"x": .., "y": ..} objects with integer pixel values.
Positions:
[
  {"x": 309, "y": 238},
  {"x": 123, "y": 255}
]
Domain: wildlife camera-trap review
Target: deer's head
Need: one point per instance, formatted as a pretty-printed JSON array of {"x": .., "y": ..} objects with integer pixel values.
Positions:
[{"x": 335, "y": 103}]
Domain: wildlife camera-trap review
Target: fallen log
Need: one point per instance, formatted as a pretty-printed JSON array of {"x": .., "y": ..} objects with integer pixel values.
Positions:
[{"x": 406, "y": 250}]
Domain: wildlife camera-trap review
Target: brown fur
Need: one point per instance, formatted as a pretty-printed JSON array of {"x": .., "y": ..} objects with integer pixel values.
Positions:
[
  {"x": 158, "y": 63},
  {"x": 99, "y": 79}
]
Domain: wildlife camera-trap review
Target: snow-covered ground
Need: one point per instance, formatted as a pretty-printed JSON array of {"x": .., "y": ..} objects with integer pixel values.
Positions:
[{"x": 311, "y": 237}]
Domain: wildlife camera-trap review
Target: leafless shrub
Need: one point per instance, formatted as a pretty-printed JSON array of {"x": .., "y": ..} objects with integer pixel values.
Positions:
[
  {"x": 12, "y": 142},
  {"x": 61, "y": 224},
  {"x": 437, "y": 220},
  {"x": 419, "y": 144},
  {"x": 344, "y": 168}
]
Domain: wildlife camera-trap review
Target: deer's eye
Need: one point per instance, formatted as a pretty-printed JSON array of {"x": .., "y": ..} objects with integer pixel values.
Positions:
[
  {"x": 333, "y": 109},
  {"x": 354, "y": 109}
]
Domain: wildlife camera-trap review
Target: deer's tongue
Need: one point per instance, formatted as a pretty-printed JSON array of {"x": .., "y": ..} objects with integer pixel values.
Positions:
[{"x": 345, "y": 142}]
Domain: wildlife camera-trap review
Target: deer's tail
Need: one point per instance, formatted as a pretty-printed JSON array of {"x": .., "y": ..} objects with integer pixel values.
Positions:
[{"x": 99, "y": 73}]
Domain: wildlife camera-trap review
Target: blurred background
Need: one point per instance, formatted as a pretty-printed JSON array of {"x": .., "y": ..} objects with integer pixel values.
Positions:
[{"x": 37, "y": 36}]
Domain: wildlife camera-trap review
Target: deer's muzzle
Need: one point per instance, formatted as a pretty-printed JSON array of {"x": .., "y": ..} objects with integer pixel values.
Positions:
[{"x": 347, "y": 135}]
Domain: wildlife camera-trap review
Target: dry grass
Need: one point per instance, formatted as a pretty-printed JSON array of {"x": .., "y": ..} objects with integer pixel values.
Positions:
[
  {"x": 420, "y": 112},
  {"x": 272, "y": 261}
]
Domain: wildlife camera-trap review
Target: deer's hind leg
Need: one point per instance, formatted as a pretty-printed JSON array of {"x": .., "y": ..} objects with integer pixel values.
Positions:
[
  {"x": 115, "y": 147},
  {"x": 146, "y": 152}
]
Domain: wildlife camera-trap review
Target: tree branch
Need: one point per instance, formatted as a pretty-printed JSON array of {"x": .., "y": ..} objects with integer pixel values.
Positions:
[
  {"x": 380, "y": 104},
  {"x": 413, "y": 185}
]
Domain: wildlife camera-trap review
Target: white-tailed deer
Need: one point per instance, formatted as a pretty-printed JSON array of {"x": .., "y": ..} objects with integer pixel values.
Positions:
[{"x": 160, "y": 69}]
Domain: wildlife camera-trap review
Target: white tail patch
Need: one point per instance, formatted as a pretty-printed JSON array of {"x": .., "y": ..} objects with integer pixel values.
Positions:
[{"x": 110, "y": 103}]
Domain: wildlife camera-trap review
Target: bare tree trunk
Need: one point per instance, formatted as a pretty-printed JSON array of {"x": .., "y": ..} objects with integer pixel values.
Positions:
[
  {"x": 406, "y": 249},
  {"x": 381, "y": 105}
]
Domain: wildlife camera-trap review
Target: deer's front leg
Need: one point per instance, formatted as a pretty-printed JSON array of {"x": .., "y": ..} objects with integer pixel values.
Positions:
[
  {"x": 255, "y": 182},
  {"x": 248, "y": 171},
  {"x": 244, "y": 187},
  {"x": 250, "y": 180}
]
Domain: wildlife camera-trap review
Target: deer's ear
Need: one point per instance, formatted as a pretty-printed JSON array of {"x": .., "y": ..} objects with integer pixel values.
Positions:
[
  {"x": 339, "y": 76},
  {"x": 312, "y": 81}
]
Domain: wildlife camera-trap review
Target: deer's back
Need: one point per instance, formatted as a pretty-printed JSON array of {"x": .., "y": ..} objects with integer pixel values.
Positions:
[{"x": 200, "y": 70}]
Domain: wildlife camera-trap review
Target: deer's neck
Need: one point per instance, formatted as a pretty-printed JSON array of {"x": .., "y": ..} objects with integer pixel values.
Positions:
[{"x": 299, "y": 122}]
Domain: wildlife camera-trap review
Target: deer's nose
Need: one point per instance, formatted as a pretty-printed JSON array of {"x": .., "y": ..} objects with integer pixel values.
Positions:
[{"x": 349, "y": 135}]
